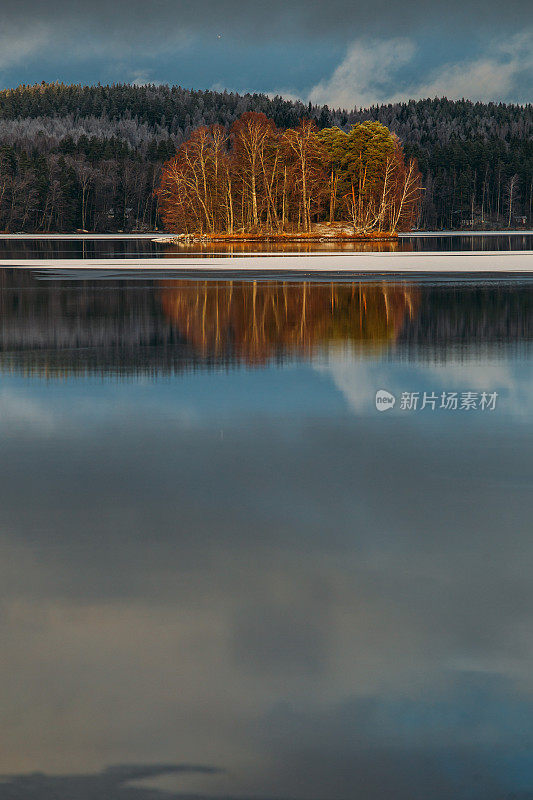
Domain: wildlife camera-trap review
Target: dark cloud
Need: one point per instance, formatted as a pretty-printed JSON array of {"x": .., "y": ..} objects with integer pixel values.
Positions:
[
  {"x": 292, "y": 48},
  {"x": 339, "y": 19}
]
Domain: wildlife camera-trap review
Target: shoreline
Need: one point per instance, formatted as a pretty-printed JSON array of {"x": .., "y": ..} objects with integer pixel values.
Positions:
[
  {"x": 260, "y": 238},
  {"x": 158, "y": 236}
]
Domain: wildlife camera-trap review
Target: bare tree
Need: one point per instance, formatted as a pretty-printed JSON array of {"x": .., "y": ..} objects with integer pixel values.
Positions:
[{"x": 510, "y": 192}]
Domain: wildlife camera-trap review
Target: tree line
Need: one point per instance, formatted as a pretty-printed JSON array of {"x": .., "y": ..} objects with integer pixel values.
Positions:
[
  {"x": 90, "y": 157},
  {"x": 257, "y": 178}
]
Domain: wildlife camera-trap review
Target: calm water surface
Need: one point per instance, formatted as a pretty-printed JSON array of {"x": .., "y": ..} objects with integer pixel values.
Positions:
[
  {"x": 145, "y": 248},
  {"x": 223, "y": 568}
]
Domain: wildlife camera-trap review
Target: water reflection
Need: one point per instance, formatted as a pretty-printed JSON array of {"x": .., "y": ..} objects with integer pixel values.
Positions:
[
  {"x": 113, "y": 783},
  {"x": 146, "y": 248},
  {"x": 250, "y": 569},
  {"x": 259, "y": 321},
  {"x": 166, "y": 327}
]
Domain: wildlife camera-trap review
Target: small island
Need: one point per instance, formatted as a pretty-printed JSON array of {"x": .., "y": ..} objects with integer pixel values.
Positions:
[{"x": 259, "y": 182}]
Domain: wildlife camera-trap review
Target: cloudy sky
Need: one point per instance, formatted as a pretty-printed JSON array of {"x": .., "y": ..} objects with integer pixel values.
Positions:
[{"x": 343, "y": 52}]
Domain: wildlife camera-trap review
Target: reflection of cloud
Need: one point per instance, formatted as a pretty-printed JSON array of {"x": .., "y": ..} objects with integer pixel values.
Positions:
[
  {"x": 48, "y": 411},
  {"x": 476, "y": 376},
  {"x": 358, "y": 378},
  {"x": 111, "y": 783},
  {"x": 17, "y": 410},
  {"x": 512, "y": 382},
  {"x": 295, "y": 601}
]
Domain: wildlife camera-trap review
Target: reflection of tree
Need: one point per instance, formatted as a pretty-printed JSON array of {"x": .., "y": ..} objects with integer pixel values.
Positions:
[
  {"x": 245, "y": 246},
  {"x": 122, "y": 329},
  {"x": 257, "y": 321}
]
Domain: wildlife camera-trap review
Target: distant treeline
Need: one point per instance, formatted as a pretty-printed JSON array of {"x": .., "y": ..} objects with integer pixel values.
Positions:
[{"x": 74, "y": 157}]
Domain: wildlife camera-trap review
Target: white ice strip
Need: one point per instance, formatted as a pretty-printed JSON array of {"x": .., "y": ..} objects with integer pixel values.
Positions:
[
  {"x": 439, "y": 262},
  {"x": 22, "y": 237}
]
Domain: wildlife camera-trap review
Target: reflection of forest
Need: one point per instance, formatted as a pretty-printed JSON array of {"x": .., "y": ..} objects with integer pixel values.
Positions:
[
  {"x": 299, "y": 246},
  {"x": 128, "y": 328},
  {"x": 259, "y": 320}
]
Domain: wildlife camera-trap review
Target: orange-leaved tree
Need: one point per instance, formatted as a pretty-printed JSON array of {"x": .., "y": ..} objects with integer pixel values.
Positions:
[{"x": 256, "y": 178}]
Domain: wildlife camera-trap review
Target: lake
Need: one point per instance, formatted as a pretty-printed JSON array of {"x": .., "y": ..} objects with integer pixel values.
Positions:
[{"x": 228, "y": 570}]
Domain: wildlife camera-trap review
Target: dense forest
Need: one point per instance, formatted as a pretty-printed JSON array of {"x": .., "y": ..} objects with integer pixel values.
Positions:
[{"x": 74, "y": 157}]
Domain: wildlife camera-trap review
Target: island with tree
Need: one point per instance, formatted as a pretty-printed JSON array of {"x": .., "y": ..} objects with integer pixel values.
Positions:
[{"x": 256, "y": 180}]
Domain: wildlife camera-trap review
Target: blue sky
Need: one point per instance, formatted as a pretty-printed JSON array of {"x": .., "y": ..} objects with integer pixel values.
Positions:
[{"x": 343, "y": 53}]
